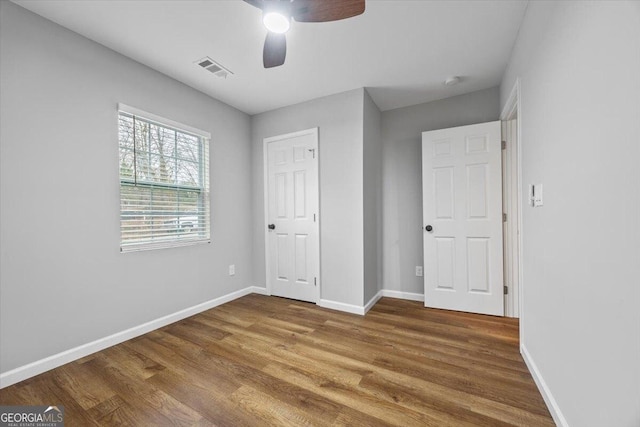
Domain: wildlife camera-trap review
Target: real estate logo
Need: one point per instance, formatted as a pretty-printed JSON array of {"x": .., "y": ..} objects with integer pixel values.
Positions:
[{"x": 31, "y": 416}]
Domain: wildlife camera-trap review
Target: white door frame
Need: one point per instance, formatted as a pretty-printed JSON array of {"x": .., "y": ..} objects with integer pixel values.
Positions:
[
  {"x": 513, "y": 241},
  {"x": 266, "y": 141}
]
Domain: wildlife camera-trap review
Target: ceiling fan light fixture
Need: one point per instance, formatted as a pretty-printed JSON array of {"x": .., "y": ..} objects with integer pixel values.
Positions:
[
  {"x": 277, "y": 16},
  {"x": 276, "y": 22}
]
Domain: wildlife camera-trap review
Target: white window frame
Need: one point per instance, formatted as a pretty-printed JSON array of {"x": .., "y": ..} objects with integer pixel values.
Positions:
[{"x": 204, "y": 234}]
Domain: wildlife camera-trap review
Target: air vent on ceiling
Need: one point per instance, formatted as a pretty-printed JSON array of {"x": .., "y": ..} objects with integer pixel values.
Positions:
[{"x": 213, "y": 67}]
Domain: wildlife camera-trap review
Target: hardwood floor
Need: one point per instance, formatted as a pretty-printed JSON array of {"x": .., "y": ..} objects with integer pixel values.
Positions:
[{"x": 271, "y": 361}]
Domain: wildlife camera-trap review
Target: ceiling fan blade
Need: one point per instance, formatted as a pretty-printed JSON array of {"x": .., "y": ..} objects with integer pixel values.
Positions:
[
  {"x": 325, "y": 10},
  {"x": 256, "y": 3},
  {"x": 275, "y": 50}
]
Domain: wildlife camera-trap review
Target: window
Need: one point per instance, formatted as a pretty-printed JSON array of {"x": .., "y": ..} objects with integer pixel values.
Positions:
[{"x": 164, "y": 182}]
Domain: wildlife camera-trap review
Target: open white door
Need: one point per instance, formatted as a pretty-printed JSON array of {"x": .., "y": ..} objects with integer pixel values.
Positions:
[
  {"x": 462, "y": 212},
  {"x": 292, "y": 234}
]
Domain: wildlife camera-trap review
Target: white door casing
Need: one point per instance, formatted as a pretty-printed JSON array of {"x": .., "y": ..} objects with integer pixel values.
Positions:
[
  {"x": 510, "y": 206},
  {"x": 291, "y": 206},
  {"x": 462, "y": 202}
]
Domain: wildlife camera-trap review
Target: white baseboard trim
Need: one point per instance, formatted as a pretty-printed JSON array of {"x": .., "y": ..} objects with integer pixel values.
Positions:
[
  {"x": 259, "y": 290},
  {"x": 554, "y": 409},
  {"x": 355, "y": 309},
  {"x": 35, "y": 368},
  {"x": 340, "y": 306},
  {"x": 372, "y": 301},
  {"x": 402, "y": 295}
]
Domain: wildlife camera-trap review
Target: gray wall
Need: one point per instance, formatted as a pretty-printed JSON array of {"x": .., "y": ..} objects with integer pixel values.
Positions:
[
  {"x": 579, "y": 65},
  {"x": 63, "y": 281},
  {"x": 372, "y": 188},
  {"x": 339, "y": 119},
  {"x": 402, "y": 177}
]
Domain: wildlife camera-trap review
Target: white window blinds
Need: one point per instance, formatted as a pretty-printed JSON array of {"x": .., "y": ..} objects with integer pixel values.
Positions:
[{"x": 164, "y": 183}]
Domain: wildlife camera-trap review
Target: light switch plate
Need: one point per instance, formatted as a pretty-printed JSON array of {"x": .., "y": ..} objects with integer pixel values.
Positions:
[
  {"x": 232, "y": 270},
  {"x": 537, "y": 196},
  {"x": 419, "y": 270}
]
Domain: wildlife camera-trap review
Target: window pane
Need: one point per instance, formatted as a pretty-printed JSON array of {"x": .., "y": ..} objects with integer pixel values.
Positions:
[
  {"x": 142, "y": 135},
  {"x": 126, "y": 163},
  {"x": 188, "y": 173},
  {"x": 125, "y": 132},
  {"x": 163, "y": 140},
  {"x": 188, "y": 147},
  {"x": 162, "y": 169},
  {"x": 144, "y": 171}
]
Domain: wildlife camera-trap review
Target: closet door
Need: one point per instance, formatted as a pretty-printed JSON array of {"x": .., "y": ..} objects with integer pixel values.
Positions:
[{"x": 292, "y": 234}]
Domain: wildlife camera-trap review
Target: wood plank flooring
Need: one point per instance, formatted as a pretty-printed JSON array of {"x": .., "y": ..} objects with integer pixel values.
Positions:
[{"x": 271, "y": 361}]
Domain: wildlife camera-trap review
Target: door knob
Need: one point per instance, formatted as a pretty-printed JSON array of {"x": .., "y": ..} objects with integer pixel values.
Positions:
[
  {"x": 272, "y": 226},
  {"x": 428, "y": 228}
]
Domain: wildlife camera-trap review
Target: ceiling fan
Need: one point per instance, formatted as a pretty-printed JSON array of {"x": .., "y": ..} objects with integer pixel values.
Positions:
[{"x": 277, "y": 14}]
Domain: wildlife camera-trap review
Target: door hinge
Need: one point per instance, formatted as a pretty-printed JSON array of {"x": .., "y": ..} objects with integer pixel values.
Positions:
[
  {"x": 506, "y": 290},
  {"x": 315, "y": 281},
  {"x": 504, "y": 145},
  {"x": 314, "y": 217},
  {"x": 504, "y": 217}
]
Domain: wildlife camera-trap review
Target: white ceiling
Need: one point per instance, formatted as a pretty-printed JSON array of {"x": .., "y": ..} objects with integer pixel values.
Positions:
[{"x": 402, "y": 51}]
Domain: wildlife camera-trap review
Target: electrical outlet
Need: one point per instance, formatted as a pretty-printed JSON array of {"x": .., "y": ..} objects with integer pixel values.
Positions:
[
  {"x": 232, "y": 270},
  {"x": 419, "y": 270}
]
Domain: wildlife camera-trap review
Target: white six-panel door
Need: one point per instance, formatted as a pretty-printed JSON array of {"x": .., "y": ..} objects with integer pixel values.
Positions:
[
  {"x": 462, "y": 204},
  {"x": 292, "y": 215}
]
